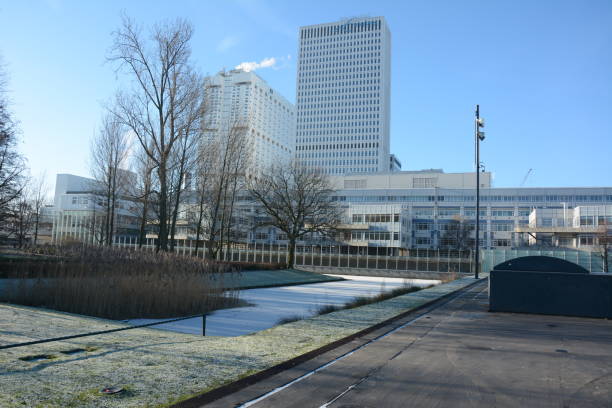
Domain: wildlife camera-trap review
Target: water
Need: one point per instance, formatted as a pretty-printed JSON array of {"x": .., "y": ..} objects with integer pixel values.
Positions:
[{"x": 272, "y": 304}]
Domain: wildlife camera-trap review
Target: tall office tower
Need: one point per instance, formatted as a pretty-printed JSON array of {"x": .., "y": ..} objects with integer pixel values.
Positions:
[
  {"x": 239, "y": 99},
  {"x": 343, "y": 90}
]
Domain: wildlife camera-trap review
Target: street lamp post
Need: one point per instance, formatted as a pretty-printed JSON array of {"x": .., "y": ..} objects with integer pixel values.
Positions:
[{"x": 478, "y": 137}]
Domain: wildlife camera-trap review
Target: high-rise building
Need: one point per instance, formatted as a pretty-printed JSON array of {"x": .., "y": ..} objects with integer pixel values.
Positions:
[
  {"x": 238, "y": 98},
  {"x": 343, "y": 92}
]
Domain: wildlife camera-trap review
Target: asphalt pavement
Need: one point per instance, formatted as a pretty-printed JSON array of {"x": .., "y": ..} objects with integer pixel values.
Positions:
[{"x": 453, "y": 354}]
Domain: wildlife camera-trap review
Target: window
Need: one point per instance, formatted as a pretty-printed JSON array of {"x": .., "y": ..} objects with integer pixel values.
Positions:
[
  {"x": 587, "y": 220},
  {"x": 448, "y": 211},
  {"x": 501, "y": 242},
  {"x": 471, "y": 212},
  {"x": 502, "y": 212},
  {"x": 357, "y": 218},
  {"x": 524, "y": 212},
  {"x": 586, "y": 240},
  {"x": 447, "y": 242},
  {"x": 355, "y": 184},
  {"x": 503, "y": 227},
  {"x": 377, "y": 236},
  {"x": 423, "y": 226},
  {"x": 378, "y": 217},
  {"x": 423, "y": 241},
  {"x": 423, "y": 211},
  {"x": 424, "y": 182}
]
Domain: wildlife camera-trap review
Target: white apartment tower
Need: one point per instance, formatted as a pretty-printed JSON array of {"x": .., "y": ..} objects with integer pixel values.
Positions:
[
  {"x": 343, "y": 92},
  {"x": 241, "y": 98}
]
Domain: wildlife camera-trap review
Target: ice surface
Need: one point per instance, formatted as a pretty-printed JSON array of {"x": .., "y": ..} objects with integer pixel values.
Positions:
[{"x": 272, "y": 304}]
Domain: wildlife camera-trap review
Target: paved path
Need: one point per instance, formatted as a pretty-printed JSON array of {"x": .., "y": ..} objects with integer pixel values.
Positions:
[{"x": 456, "y": 355}]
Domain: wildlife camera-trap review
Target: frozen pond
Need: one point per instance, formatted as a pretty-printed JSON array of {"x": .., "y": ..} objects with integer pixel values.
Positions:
[{"x": 272, "y": 304}]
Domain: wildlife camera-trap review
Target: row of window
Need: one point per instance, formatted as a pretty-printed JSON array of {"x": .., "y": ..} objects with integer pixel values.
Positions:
[
  {"x": 374, "y": 236},
  {"x": 340, "y": 162},
  {"x": 449, "y": 242},
  {"x": 361, "y": 218},
  {"x": 347, "y": 45},
  {"x": 343, "y": 28},
  {"x": 311, "y": 58},
  {"x": 429, "y": 226},
  {"x": 595, "y": 220},
  {"x": 430, "y": 198},
  {"x": 319, "y": 155},
  {"x": 338, "y": 146}
]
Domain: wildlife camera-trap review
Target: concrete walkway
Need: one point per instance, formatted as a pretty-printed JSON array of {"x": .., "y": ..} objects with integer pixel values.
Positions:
[{"x": 457, "y": 354}]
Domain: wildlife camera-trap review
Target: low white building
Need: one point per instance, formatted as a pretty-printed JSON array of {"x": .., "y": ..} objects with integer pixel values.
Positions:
[
  {"x": 423, "y": 205},
  {"x": 78, "y": 212},
  {"x": 581, "y": 227}
]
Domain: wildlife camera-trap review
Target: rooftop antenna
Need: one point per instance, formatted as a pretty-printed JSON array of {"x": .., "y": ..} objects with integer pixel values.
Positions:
[{"x": 526, "y": 176}]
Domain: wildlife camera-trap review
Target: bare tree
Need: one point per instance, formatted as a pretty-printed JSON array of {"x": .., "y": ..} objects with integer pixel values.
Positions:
[
  {"x": 143, "y": 193},
  {"x": 12, "y": 163},
  {"x": 40, "y": 190},
  {"x": 161, "y": 76},
  {"x": 207, "y": 152},
  {"x": 21, "y": 216},
  {"x": 296, "y": 201},
  {"x": 109, "y": 152},
  {"x": 226, "y": 178},
  {"x": 187, "y": 118},
  {"x": 604, "y": 242},
  {"x": 458, "y": 234}
]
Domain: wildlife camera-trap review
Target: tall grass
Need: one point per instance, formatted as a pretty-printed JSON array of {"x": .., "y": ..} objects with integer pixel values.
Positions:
[{"x": 119, "y": 283}]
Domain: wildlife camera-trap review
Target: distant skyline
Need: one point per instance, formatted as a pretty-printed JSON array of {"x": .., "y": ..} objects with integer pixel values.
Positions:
[{"x": 541, "y": 72}]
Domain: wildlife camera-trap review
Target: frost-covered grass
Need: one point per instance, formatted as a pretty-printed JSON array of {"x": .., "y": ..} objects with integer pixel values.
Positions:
[
  {"x": 281, "y": 277},
  {"x": 158, "y": 367}
]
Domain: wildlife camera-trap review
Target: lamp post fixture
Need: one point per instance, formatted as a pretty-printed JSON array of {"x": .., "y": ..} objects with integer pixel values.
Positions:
[{"x": 478, "y": 137}]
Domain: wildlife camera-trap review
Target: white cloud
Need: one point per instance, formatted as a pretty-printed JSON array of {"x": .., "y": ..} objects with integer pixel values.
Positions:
[
  {"x": 227, "y": 43},
  {"x": 252, "y": 66}
]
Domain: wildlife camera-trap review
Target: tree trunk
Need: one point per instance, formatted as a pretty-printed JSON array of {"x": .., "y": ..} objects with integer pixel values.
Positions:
[
  {"x": 173, "y": 221},
  {"x": 111, "y": 231},
  {"x": 291, "y": 260},
  {"x": 107, "y": 220},
  {"x": 200, "y": 219},
  {"x": 163, "y": 203},
  {"x": 143, "y": 222},
  {"x": 36, "y": 227}
]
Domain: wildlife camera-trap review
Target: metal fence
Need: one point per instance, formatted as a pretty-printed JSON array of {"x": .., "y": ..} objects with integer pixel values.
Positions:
[
  {"x": 346, "y": 257},
  {"x": 592, "y": 261},
  {"x": 330, "y": 256}
]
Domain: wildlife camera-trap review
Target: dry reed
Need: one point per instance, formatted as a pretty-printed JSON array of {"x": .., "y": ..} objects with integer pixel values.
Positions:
[{"x": 118, "y": 283}]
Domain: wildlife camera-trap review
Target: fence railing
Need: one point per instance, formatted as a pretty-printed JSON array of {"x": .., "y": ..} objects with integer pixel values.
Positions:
[
  {"x": 591, "y": 261},
  {"x": 330, "y": 256},
  {"x": 347, "y": 257}
]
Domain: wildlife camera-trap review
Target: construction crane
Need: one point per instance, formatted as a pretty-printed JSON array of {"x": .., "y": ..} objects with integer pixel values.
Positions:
[{"x": 526, "y": 176}]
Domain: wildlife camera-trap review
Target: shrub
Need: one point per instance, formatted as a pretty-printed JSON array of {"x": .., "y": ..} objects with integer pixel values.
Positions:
[
  {"x": 366, "y": 300},
  {"x": 289, "y": 319},
  {"x": 118, "y": 283},
  {"x": 249, "y": 266}
]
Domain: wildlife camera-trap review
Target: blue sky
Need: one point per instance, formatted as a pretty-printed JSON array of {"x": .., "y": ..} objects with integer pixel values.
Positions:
[{"x": 540, "y": 70}]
